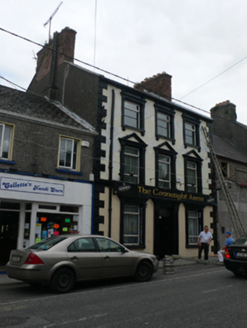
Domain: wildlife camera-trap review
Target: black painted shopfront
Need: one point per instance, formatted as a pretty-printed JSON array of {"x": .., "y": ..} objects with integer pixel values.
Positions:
[{"x": 166, "y": 205}]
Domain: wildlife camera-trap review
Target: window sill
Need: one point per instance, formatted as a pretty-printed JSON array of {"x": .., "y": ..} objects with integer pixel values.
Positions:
[
  {"x": 68, "y": 172},
  {"x": 6, "y": 161},
  {"x": 142, "y": 131},
  {"x": 192, "y": 146},
  {"x": 165, "y": 138}
]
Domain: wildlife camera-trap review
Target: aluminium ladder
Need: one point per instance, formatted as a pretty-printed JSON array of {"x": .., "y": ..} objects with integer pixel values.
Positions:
[{"x": 233, "y": 213}]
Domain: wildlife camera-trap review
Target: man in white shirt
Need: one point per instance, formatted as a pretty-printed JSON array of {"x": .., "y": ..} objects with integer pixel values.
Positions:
[{"x": 204, "y": 240}]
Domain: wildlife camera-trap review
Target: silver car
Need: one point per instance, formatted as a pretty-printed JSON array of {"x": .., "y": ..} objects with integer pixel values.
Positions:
[{"x": 63, "y": 260}]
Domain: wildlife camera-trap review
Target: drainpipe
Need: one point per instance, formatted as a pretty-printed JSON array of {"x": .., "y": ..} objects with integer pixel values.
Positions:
[
  {"x": 53, "y": 70},
  {"x": 110, "y": 161}
]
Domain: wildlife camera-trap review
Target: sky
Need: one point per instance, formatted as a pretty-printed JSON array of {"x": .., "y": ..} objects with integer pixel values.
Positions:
[{"x": 201, "y": 43}]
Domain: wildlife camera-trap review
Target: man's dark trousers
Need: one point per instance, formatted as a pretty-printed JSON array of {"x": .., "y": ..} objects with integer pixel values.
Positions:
[{"x": 205, "y": 247}]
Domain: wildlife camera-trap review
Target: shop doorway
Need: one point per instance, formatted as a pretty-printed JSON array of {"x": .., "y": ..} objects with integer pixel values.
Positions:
[
  {"x": 9, "y": 223},
  {"x": 166, "y": 232}
]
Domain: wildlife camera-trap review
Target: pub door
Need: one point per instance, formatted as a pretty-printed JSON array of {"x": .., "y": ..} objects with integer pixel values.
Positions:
[{"x": 166, "y": 233}]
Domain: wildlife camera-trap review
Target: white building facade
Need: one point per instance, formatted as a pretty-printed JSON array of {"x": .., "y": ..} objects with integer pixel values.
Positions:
[{"x": 157, "y": 173}]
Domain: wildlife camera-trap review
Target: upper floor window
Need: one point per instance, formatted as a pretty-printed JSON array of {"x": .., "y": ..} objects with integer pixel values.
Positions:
[
  {"x": 133, "y": 112},
  {"x": 131, "y": 164},
  {"x": 165, "y": 166},
  {"x": 164, "y": 123},
  {"x": 193, "y": 172},
  {"x": 69, "y": 153},
  {"x": 190, "y": 134},
  {"x": 6, "y": 132},
  {"x": 164, "y": 171},
  {"x": 191, "y": 126},
  {"x": 132, "y": 159}
]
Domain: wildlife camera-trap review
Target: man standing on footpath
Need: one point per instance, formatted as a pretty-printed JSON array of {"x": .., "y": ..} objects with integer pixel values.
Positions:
[
  {"x": 228, "y": 242},
  {"x": 204, "y": 240}
]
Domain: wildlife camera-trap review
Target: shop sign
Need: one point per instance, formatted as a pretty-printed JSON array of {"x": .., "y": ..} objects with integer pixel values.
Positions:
[
  {"x": 37, "y": 187},
  {"x": 124, "y": 188},
  {"x": 180, "y": 196}
]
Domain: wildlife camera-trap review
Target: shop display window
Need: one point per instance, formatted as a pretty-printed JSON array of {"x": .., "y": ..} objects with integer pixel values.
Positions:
[{"x": 51, "y": 224}]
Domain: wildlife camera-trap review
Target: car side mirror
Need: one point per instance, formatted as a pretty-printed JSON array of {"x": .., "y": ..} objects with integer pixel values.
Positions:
[{"x": 124, "y": 250}]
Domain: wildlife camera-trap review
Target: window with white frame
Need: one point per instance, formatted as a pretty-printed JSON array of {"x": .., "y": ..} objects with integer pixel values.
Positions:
[
  {"x": 190, "y": 134},
  {"x": 191, "y": 174},
  {"x": 131, "y": 225},
  {"x": 68, "y": 153},
  {"x": 131, "y": 114},
  {"x": 164, "y": 171},
  {"x": 193, "y": 222},
  {"x": 5, "y": 140},
  {"x": 131, "y": 164},
  {"x": 163, "y": 125}
]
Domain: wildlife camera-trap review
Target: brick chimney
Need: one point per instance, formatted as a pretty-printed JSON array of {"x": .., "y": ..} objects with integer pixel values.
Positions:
[
  {"x": 225, "y": 110},
  {"x": 224, "y": 115},
  {"x": 159, "y": 84},
  {"x": 49, "y": 60}
]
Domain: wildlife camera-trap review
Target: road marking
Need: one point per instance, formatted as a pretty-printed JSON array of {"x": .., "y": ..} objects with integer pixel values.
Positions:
[
  {"x": 74, "y": 321},
  {"x": 216, "y": 289}
]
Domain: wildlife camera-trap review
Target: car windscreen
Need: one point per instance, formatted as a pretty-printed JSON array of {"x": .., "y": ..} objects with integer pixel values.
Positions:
[
  {"x": 48, "y": 243},
  {"x": 241, "y": 241}
]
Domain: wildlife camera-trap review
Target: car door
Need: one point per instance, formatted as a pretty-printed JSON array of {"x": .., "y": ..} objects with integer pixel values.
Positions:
[
  {"x": 116, "y": 263},
  {"x": 83, "y": 253}
]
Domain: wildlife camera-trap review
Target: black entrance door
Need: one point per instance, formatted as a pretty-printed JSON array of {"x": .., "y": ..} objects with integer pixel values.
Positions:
[
  {"x": 166, "y": 232},
  {"x": 9, "y": 222}
]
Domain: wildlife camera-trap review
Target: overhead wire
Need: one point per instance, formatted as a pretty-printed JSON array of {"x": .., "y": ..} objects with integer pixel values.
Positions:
[
  {"x": 107, "y": 72},
  {"x": 98, "y": 68},
  {"x": 202, "y": 85}
]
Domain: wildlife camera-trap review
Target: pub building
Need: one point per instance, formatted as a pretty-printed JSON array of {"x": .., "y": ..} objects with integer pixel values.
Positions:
[
  {"x": 153, "y": 175},
  {"x": 157, "y": 176}
]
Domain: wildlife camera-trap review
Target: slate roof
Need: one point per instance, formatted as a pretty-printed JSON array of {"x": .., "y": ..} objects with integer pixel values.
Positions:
[
  {"x": 35, "y": 106},
  {"x": 224, "y": 148}
]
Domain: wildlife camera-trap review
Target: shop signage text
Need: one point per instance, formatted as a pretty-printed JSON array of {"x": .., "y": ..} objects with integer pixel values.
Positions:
[
  {"x": 177, "y": 196},
  {"x": 47, "y": 188},
  {"x": 124, "y": 188}
]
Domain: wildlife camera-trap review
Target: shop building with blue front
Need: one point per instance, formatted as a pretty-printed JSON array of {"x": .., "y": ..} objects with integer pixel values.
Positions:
[{"x": 46, "y": 163}]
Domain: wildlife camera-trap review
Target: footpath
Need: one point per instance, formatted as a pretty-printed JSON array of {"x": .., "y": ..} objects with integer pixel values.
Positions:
[{"x": 177, "y": 262}]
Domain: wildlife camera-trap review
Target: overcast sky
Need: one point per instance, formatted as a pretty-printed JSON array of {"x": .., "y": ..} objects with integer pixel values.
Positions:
[{"x": 192, "y": 40}]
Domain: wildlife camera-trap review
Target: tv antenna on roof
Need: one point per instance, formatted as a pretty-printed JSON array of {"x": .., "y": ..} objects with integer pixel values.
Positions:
[{"x": 49, "y": 21}]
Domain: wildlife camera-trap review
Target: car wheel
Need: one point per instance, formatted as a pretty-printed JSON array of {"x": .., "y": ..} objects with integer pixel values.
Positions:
[
  {"x": 144, "y": 271},
  {"x": 63, "y": 280},
  {"x": 238, "y": 274}
]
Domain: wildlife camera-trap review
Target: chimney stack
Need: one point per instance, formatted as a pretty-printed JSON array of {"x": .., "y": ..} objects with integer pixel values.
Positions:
[
  {"x": 64, "y": 44},
  {"x": 159, "y": 84}
]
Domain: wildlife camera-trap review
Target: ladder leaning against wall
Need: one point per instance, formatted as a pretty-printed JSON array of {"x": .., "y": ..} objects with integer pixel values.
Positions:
[{"x": 233, "y": 213}]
